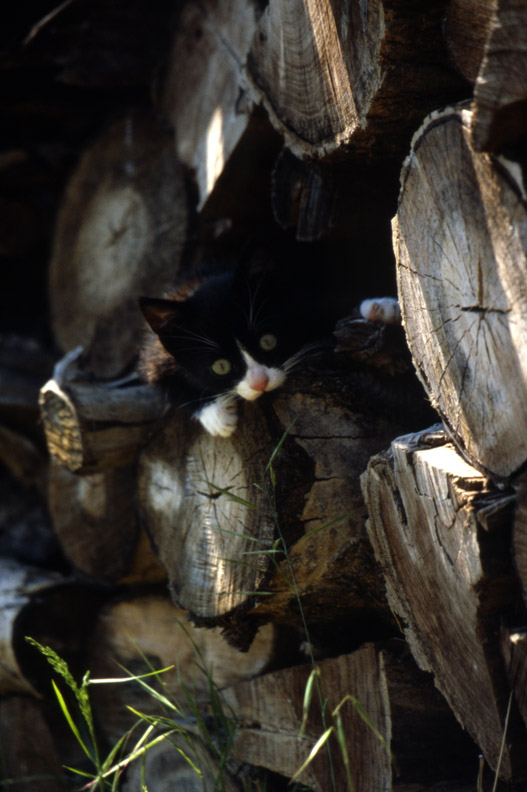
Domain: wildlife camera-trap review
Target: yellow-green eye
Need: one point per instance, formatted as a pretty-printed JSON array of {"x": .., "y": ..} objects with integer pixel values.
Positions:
[
  {"x": 268, "y": 342},
  {"x": 221, "y": 366}
]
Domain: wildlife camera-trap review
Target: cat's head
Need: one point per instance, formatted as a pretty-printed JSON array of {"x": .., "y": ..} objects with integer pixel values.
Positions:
[{"x": 233, "y": 334}]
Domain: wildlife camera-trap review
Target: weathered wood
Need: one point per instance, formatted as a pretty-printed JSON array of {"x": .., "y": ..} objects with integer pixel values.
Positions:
[
  {"x": 94, "y": 518},
  {"x": 92, "y": 426},
  {"x": 500, "y": 92},
  {"x": 337, "y": 74},
  {"x": 148, "y": 626},
  {"x": 467, "y": 27},
  {"x": 441, "y": 533},
  {"x": 203, "y": 96},
  {"x": 28, "y": 753},
  {"x": 120, "y": 233},
  {"x": 400, "y": 702},
  {"x": 519, "y": 533},
  {"x": 462, "y": 289},
  {"x": 212, "y": 509}
]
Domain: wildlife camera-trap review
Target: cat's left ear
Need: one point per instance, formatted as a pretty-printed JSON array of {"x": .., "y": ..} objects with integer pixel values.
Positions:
[{"x": 160, "y": 313}]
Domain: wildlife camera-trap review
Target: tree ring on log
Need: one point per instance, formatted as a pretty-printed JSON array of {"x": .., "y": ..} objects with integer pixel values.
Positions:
[{"x": 462, "y": 290}]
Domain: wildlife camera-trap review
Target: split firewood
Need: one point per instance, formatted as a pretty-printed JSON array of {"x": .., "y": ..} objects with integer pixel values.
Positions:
[
  {"x": 145, "y": 632},
  {"x": 467, "y": 27},
  {"x": 500, "y": 92},
  {"x": 331, "y": 75},
  {"x": 120, "y": 233},
  {"x": 203, "y": 96},
  {"x": 441, "y": 533},
  {"x": 212, "y": 505},
  {"x": 387, "y": 707},
  {"x": 92, "y": 425},
  {"x": 462, "y": 289}
]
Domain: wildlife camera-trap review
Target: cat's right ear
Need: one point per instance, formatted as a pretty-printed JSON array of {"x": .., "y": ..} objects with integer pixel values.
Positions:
[{"x": 160, "y": 313}]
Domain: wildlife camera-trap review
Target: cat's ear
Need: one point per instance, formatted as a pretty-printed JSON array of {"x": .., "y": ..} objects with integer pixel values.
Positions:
[{"x": 160, "y": 313}]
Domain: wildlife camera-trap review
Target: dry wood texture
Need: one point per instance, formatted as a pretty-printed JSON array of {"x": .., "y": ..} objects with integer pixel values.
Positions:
[
  {"x": 212, "y": 509},
  {"x": 467, "y": 27},
  {"x": 203, "y": 95},
  {"x": 462, "y": 289},
  {"x": 120, "y": 232},
  {"x": 92, "y": 425},
  {"x": 149, "y": 626},
  {"x": 441, "y": 533},
  {"x": 406, "y": 716},
  {"x": 500, "y": 92},
  {"x": 342, "y": 73}
]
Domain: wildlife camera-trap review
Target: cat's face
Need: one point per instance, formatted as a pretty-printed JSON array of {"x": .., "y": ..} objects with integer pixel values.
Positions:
[{"x": 233, "y": 335}]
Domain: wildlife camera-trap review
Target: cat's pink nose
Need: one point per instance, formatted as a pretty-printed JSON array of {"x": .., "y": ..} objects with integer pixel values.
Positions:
[{"x": 258, "y": 379}]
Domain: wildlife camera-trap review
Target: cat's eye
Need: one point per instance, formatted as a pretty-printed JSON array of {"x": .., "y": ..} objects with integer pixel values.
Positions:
[
  {"x": 221, "y": 366},
  {"x": 268, "y": 342}
]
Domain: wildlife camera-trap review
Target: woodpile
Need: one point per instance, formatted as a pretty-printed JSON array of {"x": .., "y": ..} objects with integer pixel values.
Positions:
[{"x": 346, "y": 573}]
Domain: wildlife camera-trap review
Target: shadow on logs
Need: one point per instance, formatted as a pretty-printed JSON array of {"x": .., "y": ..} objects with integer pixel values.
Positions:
[{"x": 215, "y": 511}]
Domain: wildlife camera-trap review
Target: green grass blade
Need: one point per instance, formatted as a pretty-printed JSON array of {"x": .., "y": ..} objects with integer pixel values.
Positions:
[{"x": 71, "y": 723}]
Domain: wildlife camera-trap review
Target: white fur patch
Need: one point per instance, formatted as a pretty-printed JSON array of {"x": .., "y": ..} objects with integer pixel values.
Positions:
[
  {"x": 381, "y": 309},
  {"x": 258, "y": 379},
  {"x": 219, "y": 417}
]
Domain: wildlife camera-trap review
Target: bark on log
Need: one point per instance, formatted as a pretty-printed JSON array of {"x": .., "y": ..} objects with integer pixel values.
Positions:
[
  {"x": 500, "y": 92},
  {"x": 120, "y": 233},
  {"x": 148, "y": 626},
  {"x": 441, "y": 533},
  {"x": 211, "y": 509},
  {"x": 337, "y": 74},
  {"x": 92, "y": 426},
  {"x": 467, "y": 27},
  {"x": 204, "y": 97},
  {"x": 462, "y": 290},
  {"x": 408, "y": 714}
]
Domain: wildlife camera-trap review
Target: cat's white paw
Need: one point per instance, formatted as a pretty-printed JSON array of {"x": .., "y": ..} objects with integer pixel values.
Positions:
[
  {"x": 219, "y": 417},
  {"x": 381, "y": 309}
]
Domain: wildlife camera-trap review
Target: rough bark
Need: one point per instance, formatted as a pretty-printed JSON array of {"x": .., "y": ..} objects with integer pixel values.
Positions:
[
  {"x": 441, "y": 533},
  {"x": 332, "y": 74},
  {"x": 92, "y": 426},
  {"x": 500, "y": 92},
  {"x": 462, "y": 289},
  {"x": 203, "y": 96},
  {"x": 406, "y": 718},
  {"x": 467, "y": 27},
  {"x": 212, "y": 506},
  {"x": 148, "y": 626},
  {"x": 120, "y": 233}
]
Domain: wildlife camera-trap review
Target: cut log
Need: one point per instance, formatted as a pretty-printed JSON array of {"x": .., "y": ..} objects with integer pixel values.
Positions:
[
  {"x": 94, "y": 518},
  {"x": 337, "y": 74},
  {"x": 462, "y": 290},
  {"x": 441, "y": 533},
  {"x": 92, "y": 426},
  {"x": 120, "y": 233},
  {"x": 203, "y": 96},
  {"x": 28, "y": 753},
  {"x": 47, "y": 607},
  {"x": 500, "y": 92},
  {"x": 149, "y": 627},
  {"x": 467, "y": 27},
  {"x": 212, "y": 510},
  {"x": 404, "y": 717}
]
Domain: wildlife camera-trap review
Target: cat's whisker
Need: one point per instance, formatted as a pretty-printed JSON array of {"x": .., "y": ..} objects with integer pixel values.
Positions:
[{"x": 310, "y": 350}]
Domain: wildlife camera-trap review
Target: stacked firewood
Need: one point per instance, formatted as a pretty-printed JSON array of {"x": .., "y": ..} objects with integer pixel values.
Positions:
[{"x": 366, "y": 519}]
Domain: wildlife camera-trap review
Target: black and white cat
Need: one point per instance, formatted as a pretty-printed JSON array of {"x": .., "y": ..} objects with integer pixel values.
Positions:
[{"x": 236, "y": 334}]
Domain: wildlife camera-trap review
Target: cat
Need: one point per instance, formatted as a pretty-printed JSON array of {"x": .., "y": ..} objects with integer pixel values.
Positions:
[{"x": 236, "y": 333}]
